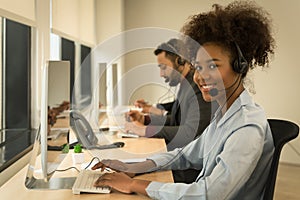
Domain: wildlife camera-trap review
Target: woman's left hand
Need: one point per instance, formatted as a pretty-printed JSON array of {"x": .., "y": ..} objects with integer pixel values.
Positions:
[{"x": 117, "y": 180}]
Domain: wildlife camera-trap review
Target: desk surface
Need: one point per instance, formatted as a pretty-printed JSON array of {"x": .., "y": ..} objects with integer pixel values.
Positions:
[{"x": 15, "y": 187}]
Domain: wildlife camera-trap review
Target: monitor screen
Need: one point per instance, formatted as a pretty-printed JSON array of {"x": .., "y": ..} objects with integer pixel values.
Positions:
[{"x": 54, "y": 106}]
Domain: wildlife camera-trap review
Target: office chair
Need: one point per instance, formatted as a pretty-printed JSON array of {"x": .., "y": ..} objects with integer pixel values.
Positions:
[{"x": 283, "y": 131}]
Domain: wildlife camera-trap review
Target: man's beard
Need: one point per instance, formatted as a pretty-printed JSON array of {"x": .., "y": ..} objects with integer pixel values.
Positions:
[{"x": 174, "y": 78}]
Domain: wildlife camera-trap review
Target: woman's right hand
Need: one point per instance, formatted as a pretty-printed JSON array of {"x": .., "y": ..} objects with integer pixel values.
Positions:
[
  {"x": 131, "y": 169},
  {"x": 115, "y": 165}
]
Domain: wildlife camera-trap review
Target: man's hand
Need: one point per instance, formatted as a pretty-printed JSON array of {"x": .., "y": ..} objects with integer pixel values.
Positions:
[
  {"x": 141, "y": 103},
  {"x": 135, "y": 127},
  {"x": 146, "y": 108},
  {"x": 134, "y": 115}
]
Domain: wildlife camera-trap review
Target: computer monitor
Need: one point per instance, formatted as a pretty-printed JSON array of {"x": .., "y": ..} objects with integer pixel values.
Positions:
[{"x": 55, "y": 89}]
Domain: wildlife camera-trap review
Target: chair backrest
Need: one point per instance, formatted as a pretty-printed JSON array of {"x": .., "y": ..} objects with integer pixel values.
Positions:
[{"x": 283, "y": 131}]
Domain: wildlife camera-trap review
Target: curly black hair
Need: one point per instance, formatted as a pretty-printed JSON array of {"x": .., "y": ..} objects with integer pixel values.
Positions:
[{"x": 241, "y": 22}]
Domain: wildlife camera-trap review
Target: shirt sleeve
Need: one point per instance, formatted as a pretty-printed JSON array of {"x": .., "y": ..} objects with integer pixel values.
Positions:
[
  {"x": 181, "y": 158},
  {"x": 164, "y": 111},
  {"x": 233, "y": 167},
  {"x": 181, "y": 134},
  {"x": 165, "y": 106}
]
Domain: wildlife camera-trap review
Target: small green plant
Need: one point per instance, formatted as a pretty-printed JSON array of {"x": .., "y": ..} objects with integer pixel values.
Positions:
[
  {"x": 65, "y": 148},
  {"x": 78, "y": 148}
]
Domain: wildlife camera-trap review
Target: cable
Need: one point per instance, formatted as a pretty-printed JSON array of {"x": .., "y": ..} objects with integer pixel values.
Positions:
[
  {"x": 161, "y": 98},
  {"x": 94, "y": 158},
  {"x": 63, "y": 170},
  {"x": 215, "y": 117}
]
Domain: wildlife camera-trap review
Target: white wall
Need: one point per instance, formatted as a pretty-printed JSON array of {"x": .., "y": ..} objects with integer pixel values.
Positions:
[
  {"x": 109, "y": 19},
  {"x": 109, "y": 24},
  {"x": 276, "y": 88}
]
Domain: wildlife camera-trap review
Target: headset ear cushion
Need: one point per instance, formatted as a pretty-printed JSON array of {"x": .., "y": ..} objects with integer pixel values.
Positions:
[
  {"x": 240, "y": 67},
  {"x": 243, "y": 67},
  {"x": 180, "y": 61},
  {"x": 236, "y": 67}
]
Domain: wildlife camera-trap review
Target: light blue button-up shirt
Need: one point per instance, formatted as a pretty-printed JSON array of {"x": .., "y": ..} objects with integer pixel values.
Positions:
[{"x": 234, "y": 153}]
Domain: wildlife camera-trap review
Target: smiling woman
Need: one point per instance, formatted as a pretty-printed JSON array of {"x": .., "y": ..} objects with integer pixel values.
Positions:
[
  {"x": 235, "y": 151},
  {"x": 215, "y": 77}
]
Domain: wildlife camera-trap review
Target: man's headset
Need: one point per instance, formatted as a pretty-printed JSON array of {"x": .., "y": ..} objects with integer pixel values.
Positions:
[{"x": 170, "y": 47}]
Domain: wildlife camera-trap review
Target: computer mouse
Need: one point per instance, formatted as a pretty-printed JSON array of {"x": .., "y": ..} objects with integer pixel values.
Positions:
[{"x": 119, "y": 144}]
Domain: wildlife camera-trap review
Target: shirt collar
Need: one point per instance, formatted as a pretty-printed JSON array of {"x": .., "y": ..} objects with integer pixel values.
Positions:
[{"x": 242, "y": 100}]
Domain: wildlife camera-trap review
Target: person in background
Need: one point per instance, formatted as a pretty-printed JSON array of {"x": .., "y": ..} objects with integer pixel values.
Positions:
[
  {"x": 54, "y": 112},
  {"x": 181, "y": 121},
  {"x": 235, "y": 150},
  {"x": 188, "y": 115}
]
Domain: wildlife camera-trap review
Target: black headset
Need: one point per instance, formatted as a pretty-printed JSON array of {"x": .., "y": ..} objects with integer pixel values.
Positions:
[
  {"x": 240, "y": 65},
  {"x": 179, "y": 60}
]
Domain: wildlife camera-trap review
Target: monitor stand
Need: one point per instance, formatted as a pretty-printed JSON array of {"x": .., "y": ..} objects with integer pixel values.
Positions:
[{"x": 51, "y": 184}]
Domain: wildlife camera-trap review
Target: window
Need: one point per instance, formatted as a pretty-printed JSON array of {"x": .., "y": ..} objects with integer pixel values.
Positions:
[
  {"x": 85, "y": 75},
  {"x": 68, "y": 53},
  {"x": 80, "y": 80},
  {"x": 16, "y": 134}
]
